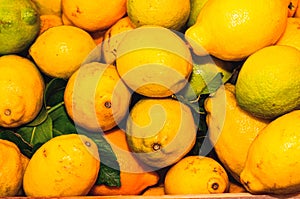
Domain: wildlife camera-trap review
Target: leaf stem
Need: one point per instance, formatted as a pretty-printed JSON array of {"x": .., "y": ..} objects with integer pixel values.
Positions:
[{"x": 53, "y": 108}]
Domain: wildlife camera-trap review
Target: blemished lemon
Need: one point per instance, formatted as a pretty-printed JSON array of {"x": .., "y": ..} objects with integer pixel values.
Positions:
[
  {"x": 93, "y": 15},
  {"x": 291, "y": 35},
  {"x": 160, "y": 131},
  {"x": 273, "y": 158},
  {"x": 134, "y": 176},
  {"x": 22, "y": 89},
  {"x": 267, "y": 85},
  {"x": 153, "y": 61},
  {"x": 196, "y": 175},
  {"x": 232, "y": 130},
  {"x": 112, "y": 38},
  {"x": 66, "y": 165},
  {"x": 12, "y": 168},
  {"x": 19, "y": 25},
  {"x": 60, "y": 50},
  {"x": 231, "y": 30},
  {"x": 96, "y": 98},
  {"x": 171, "y": 14}
]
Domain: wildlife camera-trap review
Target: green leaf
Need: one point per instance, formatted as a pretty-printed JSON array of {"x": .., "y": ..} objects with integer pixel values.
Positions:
[
  {"x": 110, "y": 170},
  {"x": 213, "y": 85},
  {"x": 41, "y": 117},
  {"x": 54, "y": 92},
  {"x": 24, "y": 146},
  {"x": 62, "y": 124},
  {"x": 37, "y": 134}
]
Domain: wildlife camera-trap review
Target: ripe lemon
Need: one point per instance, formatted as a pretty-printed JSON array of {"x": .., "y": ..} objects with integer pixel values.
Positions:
[
  {"x": 96, "y": 98},
  {"x": 60, "y": 50},
  {"x": 172, "y": 14},
  {"x": 12, "y": 168},
  {"x": 196, "y": 175},
  {"x": 22, "y": 91},
  {"x": 291, "y": 35},
  {"x": 155, "y": 191},
  {"x": 273, "y": 158},
  {"x": 267, "y": 85},
  {"x": 231, "y": 129},
  {"x": 297, "y": 12},
  {"x": 49, "y": 21},
  {"x": 20, "y": 25},
  {"x": 153, "y": 61},
  {"x": 94, "y": 15},
  {"x": 113, "y": 36},
  {"x": 134, "y": 175},
  {"x": 232, "y": 30},
  {"x": 66, "y": 165},
  {"x": 160, "y": 131}
]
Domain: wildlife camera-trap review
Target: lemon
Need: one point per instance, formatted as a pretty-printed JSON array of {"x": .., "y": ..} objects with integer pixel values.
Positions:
[
  {"x": 232, "y": 130},
  {"x": 93, "y": 15},
  {"x": 66, "y": 165},
  {"x": 22, "y": 90},
  {"x": 12, "y": 168},
  {"x": 273, "y": 158},
  {"x": 160, "y": 131},
  {"x": 19, "y": 25},
  {"x": 172, "y": 14},
  {"x": 231, "y": 30},
  {"x": 196, "y": 175},
  {"x": 291, "y": 35},
  {"x": 267, "y": 85},
  {"x": 112, "y": 38},
  {"x": 96, "y": 98},
  {"x": 196, "y": 6},
  {"x": 49, "y": 21},
  {"x": 153, "y": 61},
  {"x": 60, "y": 50}
]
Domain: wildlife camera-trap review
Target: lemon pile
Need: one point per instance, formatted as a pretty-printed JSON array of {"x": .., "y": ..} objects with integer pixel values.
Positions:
[{"x": 193, "y": 96}]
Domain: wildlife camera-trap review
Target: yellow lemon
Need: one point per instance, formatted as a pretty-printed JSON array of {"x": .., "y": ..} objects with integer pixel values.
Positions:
[
  {"x": 172, "y": 14},
  {"x": 96, "y": 98},
  {"x": 66, "y": 165},
  {"x": 272, "y": 161},
  {"x": 267, "y": 85},
  {"x": 231, "y": 129},
  {"x": 155, "y": 191},
  {"x": 112, "y": 38},
  {"x": 134, "y": 175},
  {"x": 22, "y": 90},
  {"x": 19, "y": 25},
  {"x": 196, "y": 175},
  {"x": 297, "y": 12},
  {"x": 232, "y": 30},
  {"x": 153, "y": 61},
  {"x": 12, "y": 168},
  {"x": 93, "y": 15},
  {"x": 60, "y": 50},
  {"x": 160, "y": 131},
  {"x": 291, "y": 35}
]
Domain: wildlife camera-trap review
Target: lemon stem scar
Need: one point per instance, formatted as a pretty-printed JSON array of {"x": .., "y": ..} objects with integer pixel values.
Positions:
[
  {"x": 156, "y": 146},
  {"x": 215, "y": 186},
  {"x": 7, "y": 112},
  {"x": 87, "y": 143},
  {"x": 107, "y": 104}
]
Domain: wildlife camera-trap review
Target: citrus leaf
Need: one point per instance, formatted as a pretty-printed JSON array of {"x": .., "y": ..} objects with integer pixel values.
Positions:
[
  {"x": 110, "y": 170},
  {"x": 37, "y": 134},
  {"x": 40, "y": 118},
  {"x": 54, "y": 92},
  {"x": 24, "y": 146},
  {"x": 62, "y": 124}
]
